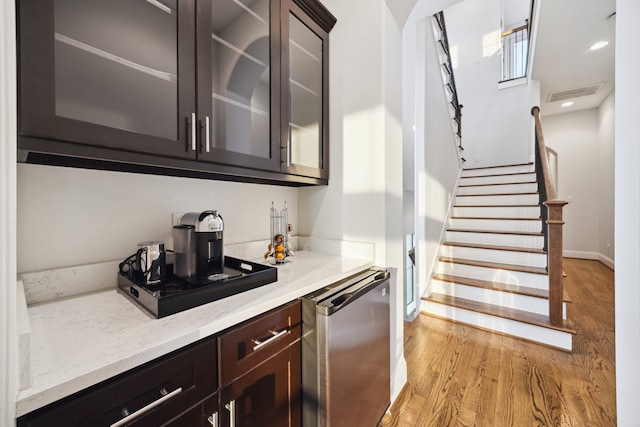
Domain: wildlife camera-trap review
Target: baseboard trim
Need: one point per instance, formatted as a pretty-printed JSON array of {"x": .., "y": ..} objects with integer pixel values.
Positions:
[
  {"x": 606, "y": 261},
  {"x": 590, "y": 255},
  {"x": 580, "y": 255}
]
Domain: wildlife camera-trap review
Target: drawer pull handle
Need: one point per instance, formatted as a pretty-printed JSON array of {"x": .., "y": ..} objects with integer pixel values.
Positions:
[
  {"x": 147, "y": 408},
  {"x": 259, "y": 344},
  {"x": 231, "y": 407},
  {"x": 213, "y": 419}
]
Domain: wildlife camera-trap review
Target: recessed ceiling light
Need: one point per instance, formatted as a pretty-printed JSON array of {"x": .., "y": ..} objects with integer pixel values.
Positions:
[
  {"x": 567, "y": 104},
  {"x": 599, "y": 45}
]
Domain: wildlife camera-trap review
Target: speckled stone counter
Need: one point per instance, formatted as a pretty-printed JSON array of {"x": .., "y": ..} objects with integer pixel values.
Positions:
[{"x": 81, "y": 340}]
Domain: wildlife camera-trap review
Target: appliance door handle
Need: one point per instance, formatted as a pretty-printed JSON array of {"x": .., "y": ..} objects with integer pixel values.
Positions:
[
  {"x": 231, "y": 407},
  {"x": 347, "y": 297},
  {"x": 275, "y": 335},
  {"x": 213, "y": 419},
  {"x": 148, "y": 407}
]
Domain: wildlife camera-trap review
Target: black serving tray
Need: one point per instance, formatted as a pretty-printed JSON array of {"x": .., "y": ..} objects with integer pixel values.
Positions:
[{"x": 176, "y": 294}]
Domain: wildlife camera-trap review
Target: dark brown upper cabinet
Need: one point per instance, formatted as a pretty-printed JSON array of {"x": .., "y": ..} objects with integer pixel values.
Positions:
[
  {"x": 305, "y": 107},
  {"x": 223, "y": 89}
]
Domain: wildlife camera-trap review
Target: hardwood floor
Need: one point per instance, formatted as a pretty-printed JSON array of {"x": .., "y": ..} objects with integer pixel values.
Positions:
[{"x": 461, "y": 376}]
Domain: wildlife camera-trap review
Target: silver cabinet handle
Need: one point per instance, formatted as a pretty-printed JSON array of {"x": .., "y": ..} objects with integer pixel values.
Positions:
[
  {"x": 259, "y": 344},
  {"x": 193, "y": 131},
  {"x": 231, "y": 407},
  {"x": 213, "y": 419},
  {"x": 207, "y": 138},
  {"x": 147, "y": 408}
]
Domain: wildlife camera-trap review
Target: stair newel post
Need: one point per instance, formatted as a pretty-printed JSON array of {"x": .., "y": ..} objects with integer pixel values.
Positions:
[{"x": 554, "y": 230}]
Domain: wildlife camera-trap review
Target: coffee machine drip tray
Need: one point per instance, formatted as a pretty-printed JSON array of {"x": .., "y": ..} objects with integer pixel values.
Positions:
[{"x": 178, "y": 294}]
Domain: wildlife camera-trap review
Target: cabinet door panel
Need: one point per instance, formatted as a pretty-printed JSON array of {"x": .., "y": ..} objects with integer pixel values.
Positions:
[
  {"x": 108, "y": 73},
  {"x": 238, "y": 85},
  {"x": 305, "y": 118},
  {"x": 203, "y": 415},
  {"x": 269, "y": 395}
]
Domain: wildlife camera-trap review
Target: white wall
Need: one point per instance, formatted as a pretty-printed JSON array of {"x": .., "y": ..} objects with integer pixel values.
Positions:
[
  {"x": 575, "y": 137},
  {"x": 606, "y": 173},
  {"x": 496, "y": 124},
  {"x": 72, "y": 216},
  {"x": 627, "y": 213},
  {"x": 363, "y": 201},
  {"x": 436, "y": 159}
]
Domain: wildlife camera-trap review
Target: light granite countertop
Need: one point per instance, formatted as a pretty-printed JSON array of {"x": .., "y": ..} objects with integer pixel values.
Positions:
[{"x": 81, "y": 340}]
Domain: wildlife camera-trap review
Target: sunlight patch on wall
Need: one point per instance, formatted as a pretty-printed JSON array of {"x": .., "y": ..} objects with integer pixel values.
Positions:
[
  {"x": 363, "y": 152},
  {"x": 490, "y": 43},
  {"x": 434, "y": 199}
]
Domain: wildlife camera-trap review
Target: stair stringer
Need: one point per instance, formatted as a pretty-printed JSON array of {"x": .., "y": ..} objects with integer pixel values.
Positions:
[{"x": 425, "y": 285}]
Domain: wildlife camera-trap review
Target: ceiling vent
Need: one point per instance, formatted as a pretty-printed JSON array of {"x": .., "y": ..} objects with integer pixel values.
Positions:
[{"x": 575, "y": 93}]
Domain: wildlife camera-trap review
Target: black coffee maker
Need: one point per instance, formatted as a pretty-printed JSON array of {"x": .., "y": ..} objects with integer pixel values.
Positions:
[{"x": 198, "y": 247}]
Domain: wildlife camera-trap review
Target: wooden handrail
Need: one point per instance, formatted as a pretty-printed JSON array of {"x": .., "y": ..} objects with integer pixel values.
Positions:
[
  {"x": 546, "y": 171},
  {"x": 515, "y": 30},
  {"x": 552, "y": 224}
]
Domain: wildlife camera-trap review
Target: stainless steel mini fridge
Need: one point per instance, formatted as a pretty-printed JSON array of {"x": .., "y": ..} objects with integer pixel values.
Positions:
[{"x": 346, "y": 352}]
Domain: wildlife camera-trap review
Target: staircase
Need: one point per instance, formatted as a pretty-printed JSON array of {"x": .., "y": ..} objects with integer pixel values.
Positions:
[{"x": 492, "y": 272}]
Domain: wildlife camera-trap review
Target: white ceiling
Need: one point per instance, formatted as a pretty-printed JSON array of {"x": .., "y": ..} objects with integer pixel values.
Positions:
[{"x": 563, "y": 61}]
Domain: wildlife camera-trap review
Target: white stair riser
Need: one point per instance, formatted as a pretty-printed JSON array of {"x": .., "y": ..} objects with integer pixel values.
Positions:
[
  {"x": 513, "y": 240},
  {"x": 499, "y": 189},
  {"x": 531, "y": 226},
  {"x": 489, "y": 296},
  {"x": 511, "y": 199},
  {"x": 506, "y": 326},
  {"x": 490, "y": 255},
  {"x": 497, "y": 211},
  {"x": 498, "y": 179},
  {"x": 498, "y": 171},
  {"x": 540, "y": 281}
]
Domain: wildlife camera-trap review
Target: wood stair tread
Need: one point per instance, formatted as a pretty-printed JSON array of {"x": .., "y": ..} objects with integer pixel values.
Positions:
[
  {"x": 499, "y": 166},
  {"x": 498, "y": 194},
  {"x": 496, "y": 175},
  {"x": 499, "y": 311},
  {"x": 497, "y": 218},
  {"x": 519, "y": 233},
  {"x": 496, "y": 206},
  {"x": 496, "y": 183},
  {"x": 497, "y": 286},
  {"x": 496, "y": 247},
  {"x": 496, "y": 265}
]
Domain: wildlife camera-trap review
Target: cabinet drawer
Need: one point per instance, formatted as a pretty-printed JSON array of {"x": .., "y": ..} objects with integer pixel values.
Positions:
[
  {"x": 157, "y": 392},
  {"x": 247, "y": 345}
]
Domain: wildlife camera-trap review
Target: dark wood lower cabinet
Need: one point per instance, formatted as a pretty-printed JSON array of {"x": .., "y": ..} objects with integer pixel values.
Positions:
[
  {"x": 260, "y": 371},
  {"x": 260, "y": 384},
  {"x": 202, "y": 415},
  {"x": 269, "y": 395}
]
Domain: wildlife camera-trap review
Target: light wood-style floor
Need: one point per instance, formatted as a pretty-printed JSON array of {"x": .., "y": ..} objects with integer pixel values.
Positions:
[{"x": 461, "y": 376}]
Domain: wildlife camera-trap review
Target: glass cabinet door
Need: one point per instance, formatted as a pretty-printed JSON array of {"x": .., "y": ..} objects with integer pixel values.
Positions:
[
  {"x": 305, "y": 110},
  {"x": 235, "y": 82},
  {"x": 108, "y": 73}
]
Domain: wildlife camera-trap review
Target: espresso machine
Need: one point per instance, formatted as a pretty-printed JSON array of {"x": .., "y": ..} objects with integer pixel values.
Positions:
[{"x": 198, "y": 247}]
